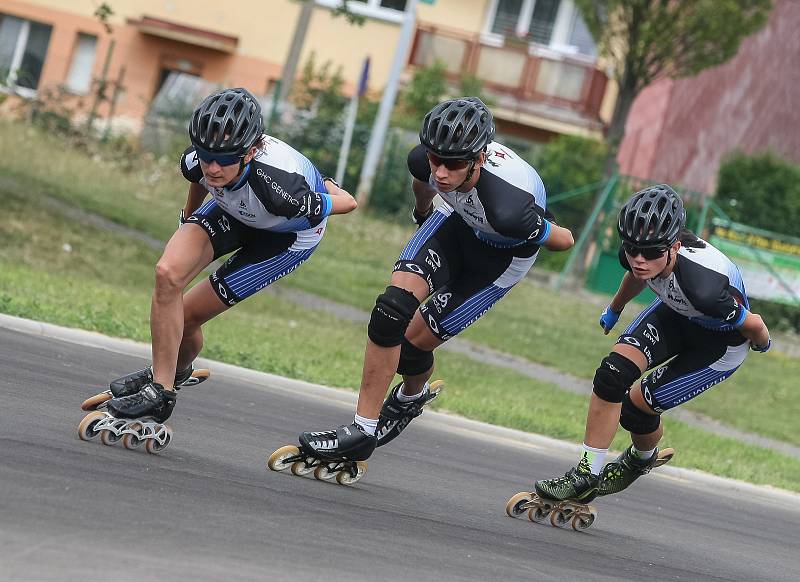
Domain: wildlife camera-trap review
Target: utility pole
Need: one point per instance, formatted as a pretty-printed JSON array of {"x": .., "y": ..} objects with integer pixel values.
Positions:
[
  {"x": 290, "y": 66},
  {"x": 378, "y": 135}
]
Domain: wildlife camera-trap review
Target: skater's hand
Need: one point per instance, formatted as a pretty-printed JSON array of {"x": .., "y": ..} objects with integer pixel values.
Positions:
[
  {"x": 608, "y": 319},
  {"x": 420, "y": 217},
  {"x": 762, "y": 349}
]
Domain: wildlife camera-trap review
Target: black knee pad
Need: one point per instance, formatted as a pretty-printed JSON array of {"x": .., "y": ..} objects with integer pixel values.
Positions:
[
  {"x": 391, "y": 315},
  {"x": 634, "y": 420},
  {"x": 413, "y": 361},
  {"x": 614, "y": 377}
]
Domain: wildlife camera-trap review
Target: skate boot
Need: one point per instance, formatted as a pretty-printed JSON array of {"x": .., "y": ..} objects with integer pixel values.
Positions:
[
  {"x": 625, "y": 469},
  {"x": 340, "y": 453},
  {"x": 397, "y": 415},
  {"x": 135, "y": 419},
  {"x": 132, "y": 383},
  {"x": 562, "y": 499}
]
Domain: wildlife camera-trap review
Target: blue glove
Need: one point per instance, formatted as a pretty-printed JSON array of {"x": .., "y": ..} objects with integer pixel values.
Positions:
[
  {"x": 761, "y": 349},
  {"x": 609, "y": 319}
]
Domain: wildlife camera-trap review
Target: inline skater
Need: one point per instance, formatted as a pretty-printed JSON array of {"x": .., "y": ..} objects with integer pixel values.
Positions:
[
  {"x": 467, "y": 254},
  {"x": 268, "y": 203},
  {"x": 693, "y": 336}
]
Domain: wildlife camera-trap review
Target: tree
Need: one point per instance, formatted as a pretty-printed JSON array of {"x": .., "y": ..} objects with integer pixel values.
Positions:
[{"x": 646, "y": 40}]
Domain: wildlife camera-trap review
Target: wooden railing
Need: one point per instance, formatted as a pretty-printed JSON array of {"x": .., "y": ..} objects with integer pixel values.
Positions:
[{"x": 518, "y": 69}]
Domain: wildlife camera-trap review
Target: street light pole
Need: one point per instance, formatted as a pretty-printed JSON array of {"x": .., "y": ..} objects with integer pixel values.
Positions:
[{"x": 378, "y": 135}]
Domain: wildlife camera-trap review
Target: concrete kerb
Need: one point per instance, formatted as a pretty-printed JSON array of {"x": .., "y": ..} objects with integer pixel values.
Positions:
[{"x": 347, "y": 399}]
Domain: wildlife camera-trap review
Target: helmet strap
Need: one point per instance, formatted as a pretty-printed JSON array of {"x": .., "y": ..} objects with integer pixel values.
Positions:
[{"x": 470, "y": 172}]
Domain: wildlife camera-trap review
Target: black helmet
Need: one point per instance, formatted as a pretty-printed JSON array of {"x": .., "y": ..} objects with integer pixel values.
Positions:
[
  {"x": 653, "y": 217},
  {"x": 227, "y": 122},
  {"x": 457, "y": 129}
]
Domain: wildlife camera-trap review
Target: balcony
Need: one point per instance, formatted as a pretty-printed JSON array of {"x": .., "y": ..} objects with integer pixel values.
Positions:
[{"x": 529, "y": 83}]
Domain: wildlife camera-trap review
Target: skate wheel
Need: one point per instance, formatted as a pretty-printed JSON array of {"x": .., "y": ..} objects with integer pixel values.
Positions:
[
  {"x": 435, "y": 387},
  {"x": 131, "y": 441},
  {"x": 301, "y": 468},
  {"x": 96, "y": 400},
  {"x": 346, "y": 478},
  {"x": 109, "y": 437},
  {"x": 664, "y": 457},
  {"x": 153, "y": 447},
  {"x": 86, "y": 430},
  {"x": 583, "y": 520},
  {"x": 198, "y": 376},
  {"x": 283, "y": 458},
  {"x": 559, "y": 518},
  {"x": 540, "y": 512},
  {"x": 323, "y": 473},
  {"x": 516, "y": 505}
]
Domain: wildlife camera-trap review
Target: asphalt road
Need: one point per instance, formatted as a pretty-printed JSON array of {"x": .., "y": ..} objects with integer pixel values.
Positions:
[{"x": 431, "y": 506}]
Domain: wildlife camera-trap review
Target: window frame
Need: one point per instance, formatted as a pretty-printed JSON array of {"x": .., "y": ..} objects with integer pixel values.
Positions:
[
  {"x": 370, "y": 9},
  {"x": 559, "y": 38},
  {"x": 9, "y": 83},
  {"x": 73, "y": 60}
]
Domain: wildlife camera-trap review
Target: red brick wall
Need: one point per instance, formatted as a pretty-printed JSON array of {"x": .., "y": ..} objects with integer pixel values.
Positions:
[{"x": 680, "y": 131}]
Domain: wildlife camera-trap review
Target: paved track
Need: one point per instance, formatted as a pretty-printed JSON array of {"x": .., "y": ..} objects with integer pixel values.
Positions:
[{"x": 430, "y": 507}]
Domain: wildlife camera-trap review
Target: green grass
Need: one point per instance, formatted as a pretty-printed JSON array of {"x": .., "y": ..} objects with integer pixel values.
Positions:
[{"x": 103, "y": 283}]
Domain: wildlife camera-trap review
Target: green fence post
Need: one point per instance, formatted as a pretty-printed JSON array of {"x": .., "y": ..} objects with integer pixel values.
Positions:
[
  {"x": 273, "y": 110},
  {"x": 701, "y": 221},
  {"x": 587, "y": 229}
]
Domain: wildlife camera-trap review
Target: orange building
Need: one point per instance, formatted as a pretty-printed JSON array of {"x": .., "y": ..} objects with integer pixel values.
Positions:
[{"x": 534, "y": 56}]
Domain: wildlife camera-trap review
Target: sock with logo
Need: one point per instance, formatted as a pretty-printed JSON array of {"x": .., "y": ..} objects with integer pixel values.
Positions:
[
  {"x": 403, "y": 397},
  {"x": 594, "y": 458},
  {"x": 644, "y": 455},
  {"x": 368, "y": 425}
]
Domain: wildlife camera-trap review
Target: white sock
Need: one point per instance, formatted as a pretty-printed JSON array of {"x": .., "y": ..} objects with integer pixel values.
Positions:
[
  {"x": 642, "y": 454},
  {"x": 403, "y": 397},
  {"x": 369, "y": 425},
  {"x": 595, "y": 457}
]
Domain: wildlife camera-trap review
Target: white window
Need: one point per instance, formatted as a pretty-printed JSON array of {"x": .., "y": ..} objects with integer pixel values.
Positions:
[
  {"x": 554, "y": 23},
  {"x": 79, "y": 79},
  {"x": 391, "y": 10},
  {"x": 23, "y": 48}
]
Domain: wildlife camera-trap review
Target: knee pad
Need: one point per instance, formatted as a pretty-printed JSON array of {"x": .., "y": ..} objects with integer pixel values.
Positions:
[
  {"x": 636, "y": 421},
  {"x": 614, "y": 377},
  {"x": 391, "y": 315},
  {"x": 413, "y": 361}
]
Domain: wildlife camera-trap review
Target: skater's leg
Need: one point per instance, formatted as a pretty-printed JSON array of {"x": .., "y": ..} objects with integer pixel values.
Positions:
[
  {"x": 609, "y": 388},
  {"x": 417, "y": 353},
  {"x": 390, "y": 319},
  {"x": 200, "y": 304},
  {"x": 187, "y": 253},
  {"x": 649, "y": 441}
]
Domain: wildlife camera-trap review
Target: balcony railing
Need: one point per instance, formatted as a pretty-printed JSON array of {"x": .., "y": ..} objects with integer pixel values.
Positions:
[{"x": 515, "y": 69}]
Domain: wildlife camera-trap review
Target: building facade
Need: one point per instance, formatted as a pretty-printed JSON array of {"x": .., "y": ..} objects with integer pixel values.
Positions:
[
  {"x": 535, "y": 57},
  {"x": 680, "y": 131}
]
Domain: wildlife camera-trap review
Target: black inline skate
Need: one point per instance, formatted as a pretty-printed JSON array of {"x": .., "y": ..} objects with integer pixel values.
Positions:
[
  {"x": 135, "y": 381},
  {"x": 626, "y": 468},
  {"x": 340, "y": 453},
  {"x": 562, "y": 499},
  {"x": 397, "y": 415},
  {"x": 135, "y": 419}
]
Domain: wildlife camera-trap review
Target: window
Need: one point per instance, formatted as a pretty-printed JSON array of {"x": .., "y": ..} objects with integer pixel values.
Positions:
[
  {"x": 554, "y": 23},
  {"x": 381, "y": 9},
  {"x": 23, "y": 47},
  {"x": 79, "y": 79}
]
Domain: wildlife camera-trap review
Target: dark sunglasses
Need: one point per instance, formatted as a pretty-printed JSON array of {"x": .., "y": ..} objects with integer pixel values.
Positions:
[
  {"x": 221, "y": 159},
  {"x": 649, "y": 253},
  {"x": 449, "y": 164}
]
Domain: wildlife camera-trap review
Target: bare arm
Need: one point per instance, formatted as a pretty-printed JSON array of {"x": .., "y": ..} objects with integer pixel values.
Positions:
[
  {"x": 560, "y": 238},
  {"x": 197, "y": 193},
  {"x": 342, "y": 201},
  {"x": 424, "y": 195},
  {"x": 629, "y": 288},
  {"x": 755, "y": 330}
]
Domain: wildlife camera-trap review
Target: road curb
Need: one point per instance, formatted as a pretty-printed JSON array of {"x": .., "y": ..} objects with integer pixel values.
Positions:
[{"x": 347, "y": 398}]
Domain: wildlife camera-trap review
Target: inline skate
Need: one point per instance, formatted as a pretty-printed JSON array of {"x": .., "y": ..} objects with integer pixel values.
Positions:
[
  {"x": 135, "y": 419},
  {"x": 132, "y": 383},
  {"x": 397, "y": 415},
  {"x": 562, "y": 499},
  {"x": 340, "y": 453},
  {"x": 618, "y": 475}
]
